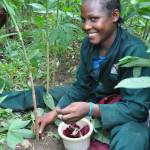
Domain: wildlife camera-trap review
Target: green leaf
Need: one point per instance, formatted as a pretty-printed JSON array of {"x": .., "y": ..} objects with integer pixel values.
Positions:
[
  {"x": 58, "y": 122},
  {"x": 96, "y": 123},
  {"x": 62, "y": 38},
  {"x": 18, "y": 124},
  {"x": 6, "y": 35},
  {"x": 138, "y": 63},
  {"x": 70, "y": 25},
  {"x": 137, "y": 71},
  {"x": 13, "y": 139},
  {"x": 2, "y": 99},
  {"x": 102, "y": 136},
  {"x": 129, "y": 58},
  {"x": 37, "y": 6},
  {"x": 144, "y": 4},
  {"x": 2, "y": 85},
  {"x": 53, "y": 35},
  {"x": 134, "y": 83},
  {"x": 148, "y": 51},
  {"x": 24, "y": 133},
  {"x": 49, "y": 101},
  {"x": 40, "y": 112},
  {"x": 32, "y": 53}
]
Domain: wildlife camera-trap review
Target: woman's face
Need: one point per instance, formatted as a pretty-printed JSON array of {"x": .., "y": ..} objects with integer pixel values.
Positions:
[{"x": 96, "y": 23}]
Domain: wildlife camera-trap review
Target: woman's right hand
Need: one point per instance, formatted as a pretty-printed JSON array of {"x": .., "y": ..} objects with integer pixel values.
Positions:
[{"x": 45, "y": 120}]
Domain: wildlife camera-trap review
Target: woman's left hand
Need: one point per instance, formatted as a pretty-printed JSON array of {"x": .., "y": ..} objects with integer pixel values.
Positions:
[{"x": 74, "y": 112}]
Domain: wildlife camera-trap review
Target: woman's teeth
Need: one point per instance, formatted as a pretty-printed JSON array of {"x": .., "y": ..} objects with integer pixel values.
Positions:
[{"x": 92, "y": 34}]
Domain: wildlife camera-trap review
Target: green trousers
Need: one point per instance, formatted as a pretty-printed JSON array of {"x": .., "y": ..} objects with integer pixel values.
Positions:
[{"x": 128, "y": 136}]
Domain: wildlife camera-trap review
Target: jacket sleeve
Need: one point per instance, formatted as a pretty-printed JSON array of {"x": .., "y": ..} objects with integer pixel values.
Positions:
[
  {"x": 82, "y": 88},
  {"x": 134, "y": 106}
]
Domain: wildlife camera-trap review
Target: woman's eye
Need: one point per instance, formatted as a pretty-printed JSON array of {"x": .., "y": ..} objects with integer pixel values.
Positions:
[
  {"x": 83, "y": 20},
  {"x": 94, "y": 19}
]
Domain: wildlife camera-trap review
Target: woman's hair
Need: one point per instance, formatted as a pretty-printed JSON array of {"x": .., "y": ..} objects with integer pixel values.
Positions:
[{"x": 110, "y": 6}]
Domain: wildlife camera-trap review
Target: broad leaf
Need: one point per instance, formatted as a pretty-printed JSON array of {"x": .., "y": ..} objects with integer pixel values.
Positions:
[
  {"x": 32, "y": 53},
  {"x": 53, "y": 35},
  {"x": 13, "y": 139},
  {"x": 137, "y": 71},
  {"x": 62, "y": 38},
  {"x": 138, "y": 63},
  {"x": 24, "y": 133},
  {"x": 49, "y": 101},
  {"x": 18, "y": 124},
  {"x": 40, "y": 112},
  {"x": 134, "y": 83},
  {"x": 102, "y": 136},
  {"x": 37, "y": 6}
]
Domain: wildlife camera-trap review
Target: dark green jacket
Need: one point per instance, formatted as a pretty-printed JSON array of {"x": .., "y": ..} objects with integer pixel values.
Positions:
[{"x": 134, "y": 106}]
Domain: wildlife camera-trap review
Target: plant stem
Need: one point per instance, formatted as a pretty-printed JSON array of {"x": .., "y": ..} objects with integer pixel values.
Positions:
[
  {"x": 47, "y": 91},
  {"x": 54, "y": 69},
  {"x": 145, "y": 28},
  {"x": 29, "y": 70}
]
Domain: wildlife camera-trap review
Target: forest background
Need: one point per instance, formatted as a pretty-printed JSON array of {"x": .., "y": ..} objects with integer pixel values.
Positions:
[{"x": 61, "y": 28}]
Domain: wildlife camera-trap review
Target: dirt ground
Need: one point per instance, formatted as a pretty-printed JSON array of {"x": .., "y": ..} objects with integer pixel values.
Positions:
[{"x": 48, "y": 143}]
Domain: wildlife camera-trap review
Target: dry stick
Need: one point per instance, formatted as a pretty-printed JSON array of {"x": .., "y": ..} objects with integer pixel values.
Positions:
[
  {"x": 35, "y": 108},
  {"x": 47, "y": 68},
  {"x": 28, "y": 66},
  {"x": 47, "y": 91},
  {"x": 54, "y": 69}
]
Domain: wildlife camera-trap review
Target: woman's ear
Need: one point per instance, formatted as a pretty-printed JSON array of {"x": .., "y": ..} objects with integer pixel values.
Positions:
[{"x": 115, "y": 15}]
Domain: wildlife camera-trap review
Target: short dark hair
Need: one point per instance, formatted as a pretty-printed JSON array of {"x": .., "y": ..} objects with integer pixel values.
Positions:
[{"x": 110, "y": 6}]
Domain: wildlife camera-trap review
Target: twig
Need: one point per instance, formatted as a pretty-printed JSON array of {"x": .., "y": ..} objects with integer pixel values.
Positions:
[{"x": 47, "y": 48}]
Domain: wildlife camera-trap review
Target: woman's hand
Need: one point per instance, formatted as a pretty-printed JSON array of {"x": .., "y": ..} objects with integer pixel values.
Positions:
[
  {"x": 74, "y": 112},
  {"x": 45, "y": 120}
]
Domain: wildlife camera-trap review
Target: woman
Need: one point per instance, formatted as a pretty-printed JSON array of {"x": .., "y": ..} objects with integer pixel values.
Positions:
[{"x": 98, "y": 74}]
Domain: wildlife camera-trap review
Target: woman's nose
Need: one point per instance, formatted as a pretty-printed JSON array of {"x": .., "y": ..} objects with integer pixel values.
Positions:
[{"x": 86, "y": 26}]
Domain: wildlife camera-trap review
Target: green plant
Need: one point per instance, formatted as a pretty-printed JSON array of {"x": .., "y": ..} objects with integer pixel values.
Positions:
[{"x": 16, "y": 133}]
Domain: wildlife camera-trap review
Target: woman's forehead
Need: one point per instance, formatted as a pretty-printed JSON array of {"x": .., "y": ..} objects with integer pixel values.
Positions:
[{"x": 92, "y": 6}]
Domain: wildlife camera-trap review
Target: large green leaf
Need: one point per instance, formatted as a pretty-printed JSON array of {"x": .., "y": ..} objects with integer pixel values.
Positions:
[
  {"x": 13, "y": 139},
  {"x": 40, "y": 111},
  {"x": 49, "y": 101},
  {"x": 18, "y": 124},
  {"x": 144, "y": 4},
  {"x": 24, "y": 133},
  {"x": 102, "y": 136},
  {"x": 138, "y": 63},
  {"x": 37, "y": 6},
  {"x": 32, "y": 53},
  {"x": 134, "y": 83},
  {"x": 53, "y": 35},
  {"x": 62, "y": 38}
]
